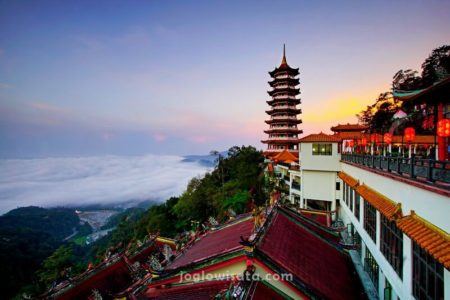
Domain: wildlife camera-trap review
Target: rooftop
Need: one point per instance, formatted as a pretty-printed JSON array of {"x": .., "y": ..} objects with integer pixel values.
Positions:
[
  {"x": 215, "y": 243},
  {"x": 195, "y": 291},
  {"x": 311, "y": 259},
  {"x": 349, "y": 127},
  {"x": 431, "y": 238},
  {"x": 320, "y": 137}
]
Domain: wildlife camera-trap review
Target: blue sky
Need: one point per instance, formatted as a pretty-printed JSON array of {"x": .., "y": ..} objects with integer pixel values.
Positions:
[{"x": 185, "y": 77}]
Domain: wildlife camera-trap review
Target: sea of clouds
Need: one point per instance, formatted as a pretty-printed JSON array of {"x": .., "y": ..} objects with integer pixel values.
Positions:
[{"x": 84, "y": 181}]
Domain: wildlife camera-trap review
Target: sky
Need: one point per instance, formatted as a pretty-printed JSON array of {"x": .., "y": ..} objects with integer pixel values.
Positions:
[{"x": 83, "y": 78}]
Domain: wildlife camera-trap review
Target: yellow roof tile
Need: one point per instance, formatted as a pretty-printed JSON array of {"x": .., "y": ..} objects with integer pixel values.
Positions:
[{"x": 428, "y": 236}]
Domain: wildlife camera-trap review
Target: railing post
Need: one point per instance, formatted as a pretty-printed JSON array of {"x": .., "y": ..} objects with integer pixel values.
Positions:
[
  {"x": 388, "y": 160},
  {"x": 411, "y": 170},
  {"x": 429, "y": 171}
]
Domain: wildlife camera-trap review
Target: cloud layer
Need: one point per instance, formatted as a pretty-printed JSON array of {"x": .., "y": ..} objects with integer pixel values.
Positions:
[{"x": 92, "y": 180}]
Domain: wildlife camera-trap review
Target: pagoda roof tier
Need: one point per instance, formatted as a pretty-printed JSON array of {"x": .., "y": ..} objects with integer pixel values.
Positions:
[
  {"x": 292, "y": 101},
  {"x": 281, "y": 141},
  {"x": 284, "y": 68},
  {"x": 284, "y": 130},
  {"x": 284, "y": 121},
  {"x": 284, "y": 90},
  {"x": 287, "y": 110},
  {"x": 289, "y": 80}
]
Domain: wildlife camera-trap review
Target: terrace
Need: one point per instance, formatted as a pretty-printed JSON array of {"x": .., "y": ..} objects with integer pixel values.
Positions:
[{"x": 430, "y": 172}]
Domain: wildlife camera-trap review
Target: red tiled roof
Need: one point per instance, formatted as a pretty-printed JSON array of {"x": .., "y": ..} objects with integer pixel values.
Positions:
[
  {"x": 349, "y": 127},
  {"x": 271, "y": 154},
  {"x": 114, "y": 279},
  {"x": 285, "y": 156},
  {"x": 325, "y": 270},
  {"x": 352, "y": 182},
  {"x": 349, "y": 135},
  {"x": 215, "y": 243},
  {"x": 320, "y": 137},
  {"x": 384, "y": 205},
  {"x": 264, "y": 292},
  {"x": 195, "y": 291},
  {"x": 431, "y": 238}
]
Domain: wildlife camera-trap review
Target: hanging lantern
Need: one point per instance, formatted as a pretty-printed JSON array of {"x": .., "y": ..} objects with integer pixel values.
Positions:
[
  {"x": 364, "y": 141},
  {"x": 410, "y": 134},
  {"x": 443, "y": 128},
  {"x": 387, "y": 138},
  {"x": 374, "y": 138},
  {"x": 350, "y": 143}
]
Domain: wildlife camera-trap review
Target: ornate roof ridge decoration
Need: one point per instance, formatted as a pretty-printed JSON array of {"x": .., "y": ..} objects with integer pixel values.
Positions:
[
  {"x": 352, "y": 182},
  {"x": 349, "y": 126},
  {"x": 389, "y": 208},
  {"x": 428, "y": 236}
]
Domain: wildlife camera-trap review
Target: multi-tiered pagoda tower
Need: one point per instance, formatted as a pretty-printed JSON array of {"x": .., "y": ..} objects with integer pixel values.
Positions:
[{"x": 283, "y": 131}]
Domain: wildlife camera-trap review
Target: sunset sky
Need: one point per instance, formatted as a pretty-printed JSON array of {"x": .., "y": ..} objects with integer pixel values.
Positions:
[{"x": 186, "y": 77}]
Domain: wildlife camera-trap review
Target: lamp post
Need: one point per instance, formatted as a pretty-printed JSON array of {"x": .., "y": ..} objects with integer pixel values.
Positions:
[
  {"x": 443, "y": 131},
  {"x": 410, "y": 135},
  {"x": 387, "y": 139},
  {"x": 364, "y": 143}
]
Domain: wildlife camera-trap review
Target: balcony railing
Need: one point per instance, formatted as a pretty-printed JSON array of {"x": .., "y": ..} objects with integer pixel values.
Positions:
[
  {"x": 284, "y": 107},
  {"x": 282, "y": 138},
  {"x": 284, "y": 118},
  {"x": 284, "y": 97},
  {"x": 428, "y": 171}
]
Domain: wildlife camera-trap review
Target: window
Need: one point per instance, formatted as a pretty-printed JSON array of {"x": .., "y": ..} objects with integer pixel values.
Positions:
[
  {"x": 371, "y": 267},
  {"x": 387, "y": 290},
  {"x": 357, "y": 205},
  {"x": 345, "y": 193},
  {"x": 428, "y": 275},
  {"x": 370, "y": 220},
  {"x": 322, "y": 149},
  {"x": 351, "y": 199},
  {"x": 391, "y": 240},
  {"x": 358, "y": 245},
  {"x": 338, "y": 186}
]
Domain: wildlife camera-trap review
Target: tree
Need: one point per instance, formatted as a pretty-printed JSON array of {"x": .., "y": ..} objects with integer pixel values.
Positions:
[
  {"x": 407, "y": 80},
  {"x": 437, "y": 66},
  {"x": 378, "y": 116},
  {"x": 56, "y": 266}
]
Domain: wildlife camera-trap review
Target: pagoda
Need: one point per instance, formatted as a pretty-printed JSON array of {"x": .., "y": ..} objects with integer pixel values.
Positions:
[{"x": 283, "y": 131}]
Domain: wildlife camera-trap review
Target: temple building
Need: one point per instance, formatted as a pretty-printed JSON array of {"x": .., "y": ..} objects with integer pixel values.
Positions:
[{"x": 283, "y": 122}]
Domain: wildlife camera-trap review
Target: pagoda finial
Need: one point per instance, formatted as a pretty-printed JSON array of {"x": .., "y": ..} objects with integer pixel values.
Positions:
[{"x": 284, "y": 61}]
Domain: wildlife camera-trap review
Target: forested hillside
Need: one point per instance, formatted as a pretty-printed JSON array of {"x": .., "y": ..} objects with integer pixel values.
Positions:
[{"x": 28, "y": 235}]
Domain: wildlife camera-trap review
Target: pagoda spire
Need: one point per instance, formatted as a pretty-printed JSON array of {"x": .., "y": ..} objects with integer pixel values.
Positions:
[{"x": 283, "y": 60}]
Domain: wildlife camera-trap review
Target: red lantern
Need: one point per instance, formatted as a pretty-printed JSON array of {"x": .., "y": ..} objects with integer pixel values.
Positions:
[
  {"x": 443, "y": 128},
  {"x": 374, "y": 138},
  {"x": 387, "y": 138},
  {"x": 364, "y": 141},
  {"x": 350, "y": 144},
  {"x": 410, "y": 134}
]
